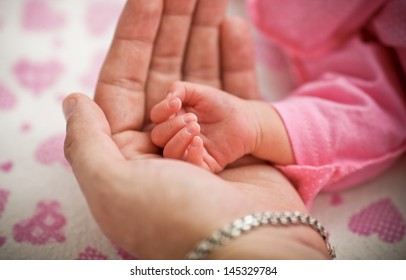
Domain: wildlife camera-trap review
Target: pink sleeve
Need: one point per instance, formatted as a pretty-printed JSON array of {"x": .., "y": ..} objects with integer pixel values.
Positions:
[
  {"x": 313, "y": 27},
  {"x": 347, "y": 121}
]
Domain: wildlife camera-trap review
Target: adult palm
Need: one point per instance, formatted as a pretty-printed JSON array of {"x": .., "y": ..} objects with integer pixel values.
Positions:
[{"x": 155, "y": 207}]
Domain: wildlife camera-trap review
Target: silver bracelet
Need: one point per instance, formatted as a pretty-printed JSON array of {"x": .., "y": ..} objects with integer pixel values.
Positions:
[{"x": 249, "y": 222}]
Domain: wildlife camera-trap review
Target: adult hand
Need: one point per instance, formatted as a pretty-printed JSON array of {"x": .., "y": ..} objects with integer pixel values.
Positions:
[
  {"x": 158, "y": 42},
  {"x": 154, "y": 207},
  {"x": 159, "y": 208}
]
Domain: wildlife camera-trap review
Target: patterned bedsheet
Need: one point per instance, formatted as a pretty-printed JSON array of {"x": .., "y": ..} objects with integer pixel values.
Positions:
[{"x": 51, "y": 48}]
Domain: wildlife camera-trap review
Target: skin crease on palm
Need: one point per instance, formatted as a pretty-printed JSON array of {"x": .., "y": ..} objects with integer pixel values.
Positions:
[{"x": 159, "y": 208}]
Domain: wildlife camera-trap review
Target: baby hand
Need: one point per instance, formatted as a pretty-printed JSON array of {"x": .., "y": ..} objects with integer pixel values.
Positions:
[{"x": 204, "y": 126}]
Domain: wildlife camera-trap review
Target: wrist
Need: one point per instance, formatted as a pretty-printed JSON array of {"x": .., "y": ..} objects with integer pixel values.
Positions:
[{"x": 272, "y": 141}]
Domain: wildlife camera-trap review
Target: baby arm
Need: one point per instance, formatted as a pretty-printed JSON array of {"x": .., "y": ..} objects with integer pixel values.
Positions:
[{"x": 212, "y": 128}]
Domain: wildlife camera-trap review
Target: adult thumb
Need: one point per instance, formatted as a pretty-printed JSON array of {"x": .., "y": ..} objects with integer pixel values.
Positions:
[{"x": 89, "y": 147}]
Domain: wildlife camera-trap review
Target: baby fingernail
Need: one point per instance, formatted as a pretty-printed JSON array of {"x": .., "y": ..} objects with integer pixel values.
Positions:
[
  {"x": 173, "y": 103},
  {"x": 195, "y": 143},
  {"x": 192, "y": 128},
  {"x": 188, "y": 118}
]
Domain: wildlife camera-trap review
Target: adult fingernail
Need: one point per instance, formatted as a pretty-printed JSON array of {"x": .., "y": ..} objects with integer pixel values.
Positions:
[
  {"x": 68, "y": 105},
  {"x": 188, "y": 118}
]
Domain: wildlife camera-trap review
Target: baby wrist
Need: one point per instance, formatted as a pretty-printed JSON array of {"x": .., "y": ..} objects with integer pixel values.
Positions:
[{"x": 272, "y": 143}]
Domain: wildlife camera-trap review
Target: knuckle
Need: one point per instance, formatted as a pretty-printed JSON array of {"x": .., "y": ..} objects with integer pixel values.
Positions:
[
  {"x": 69, "y": 147},
  {"x": 71, "y": 138},
  {"x": 177, "y": 85}
]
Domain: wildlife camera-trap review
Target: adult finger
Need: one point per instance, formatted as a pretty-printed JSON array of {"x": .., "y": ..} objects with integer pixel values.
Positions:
[
  {"x": 202, "y": 62},
  {"x": 121, "y": 87},
  {"x": 89, "y": 147},
  {"x": 167, "y": 58},
  {"x": 238, "y": 59}
]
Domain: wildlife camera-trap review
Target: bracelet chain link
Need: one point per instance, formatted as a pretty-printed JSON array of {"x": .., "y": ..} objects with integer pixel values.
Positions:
[{"x": 249, "y": 222}]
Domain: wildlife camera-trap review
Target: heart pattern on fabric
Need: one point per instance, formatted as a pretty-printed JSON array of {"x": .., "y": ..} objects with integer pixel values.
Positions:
[
  {"x": 3, "y": 200},
  {"x": 39, "y": 16},
  {"x": 91, "y": 254},
  {"x": 50, "y": 151},
  {"x": 7, "y": 99},
  {"x": 336, "y": 200},
  {"x": 2, "y": 240},
  {"x": 38, "y": 76},
  {"x": 6, "y": 166},
  {"x": 25, "y": 127},
  {"x": 382, "y": 218},
  {"x": 124, "y": 254},
  {"x": 45, "y": 225}
]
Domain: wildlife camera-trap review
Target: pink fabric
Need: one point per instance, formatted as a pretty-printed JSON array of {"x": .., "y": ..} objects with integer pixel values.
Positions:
[{"x": 346, "y": 119}]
